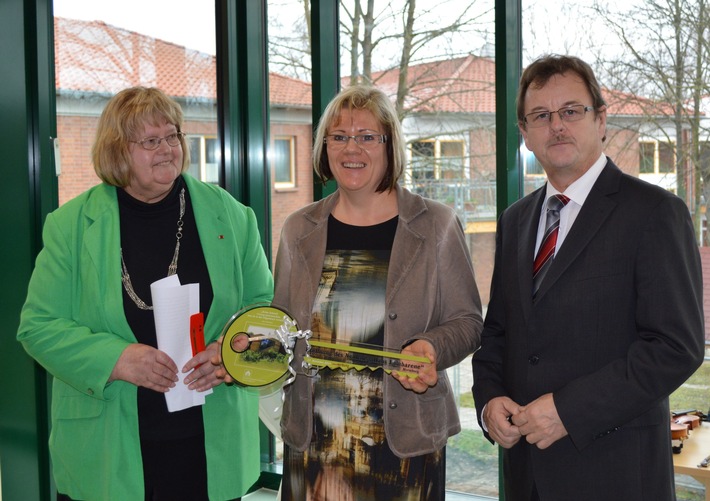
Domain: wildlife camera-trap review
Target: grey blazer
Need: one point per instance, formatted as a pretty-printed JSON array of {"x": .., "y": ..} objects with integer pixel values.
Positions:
[
  {"x": 616, "y": 326},
  {"x": 431, "y": 294}
]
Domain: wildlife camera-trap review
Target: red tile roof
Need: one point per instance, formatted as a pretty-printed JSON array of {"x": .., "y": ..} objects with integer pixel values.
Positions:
[
  {"x": 467, "y": 84},
  {"x": 92, "y": 56},
  {"x": 622, "y": 103},
  {"x": 288, "y": 91}
]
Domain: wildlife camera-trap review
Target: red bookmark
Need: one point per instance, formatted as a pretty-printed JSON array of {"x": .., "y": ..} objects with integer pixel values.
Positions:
[{"x": 197, "y": 333}]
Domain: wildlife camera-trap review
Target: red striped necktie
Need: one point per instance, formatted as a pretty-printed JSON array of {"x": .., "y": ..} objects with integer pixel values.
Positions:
[{"x": 546, "y": 253}]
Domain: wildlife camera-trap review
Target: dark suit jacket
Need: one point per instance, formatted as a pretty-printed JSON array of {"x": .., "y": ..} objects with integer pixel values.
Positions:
[{"x": 616, "y": 326}]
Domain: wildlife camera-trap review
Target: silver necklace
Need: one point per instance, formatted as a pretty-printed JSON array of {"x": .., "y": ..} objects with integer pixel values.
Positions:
[{"x": 172, "y": 269}]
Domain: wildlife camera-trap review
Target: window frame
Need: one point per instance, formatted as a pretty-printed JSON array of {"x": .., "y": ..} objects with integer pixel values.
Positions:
[
  {"x": 438, "y": 160},
  {"x": 243, "y": 118},
  {"x": 658, "y": 145},
  {"x": 201, "y": 162},
  {"x": 291, "y": 159}
]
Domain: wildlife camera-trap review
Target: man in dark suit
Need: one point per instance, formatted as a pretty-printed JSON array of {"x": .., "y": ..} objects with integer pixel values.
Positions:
[{"x": 574, "y": 372}]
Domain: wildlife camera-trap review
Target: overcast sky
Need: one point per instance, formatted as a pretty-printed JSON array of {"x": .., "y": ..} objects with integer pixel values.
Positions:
[
  {"x": 184, "y": 22},
  {"x": 191, "y": 24}
]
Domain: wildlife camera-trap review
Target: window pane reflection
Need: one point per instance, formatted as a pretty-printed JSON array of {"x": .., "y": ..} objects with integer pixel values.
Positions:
[
  {"x": 653, "y": 124},
  {"x": 446, "y": 102},
  {"x": 447, "y": 110},
  {"x": 101, "y": 49}
]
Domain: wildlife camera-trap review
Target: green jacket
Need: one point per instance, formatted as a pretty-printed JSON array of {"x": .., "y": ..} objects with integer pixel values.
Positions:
[{"x": 73, "y": 324}]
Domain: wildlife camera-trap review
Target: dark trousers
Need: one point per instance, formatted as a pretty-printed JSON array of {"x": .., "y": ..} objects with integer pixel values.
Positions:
[{"x": 535, "y": 496}]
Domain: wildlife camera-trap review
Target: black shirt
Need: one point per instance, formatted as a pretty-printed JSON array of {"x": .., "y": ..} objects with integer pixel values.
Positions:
[{"x": 148, "y": 238}]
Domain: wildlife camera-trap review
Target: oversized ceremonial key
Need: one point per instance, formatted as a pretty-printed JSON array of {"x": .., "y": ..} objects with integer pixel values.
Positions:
[
  {"x": 361, "y": 356},
  {"x": 257, "y": 345},
  {"x": 258, "y": 342}
]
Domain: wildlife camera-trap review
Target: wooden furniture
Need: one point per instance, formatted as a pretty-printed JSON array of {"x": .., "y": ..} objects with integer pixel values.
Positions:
[{"x": 695, "y": 448}]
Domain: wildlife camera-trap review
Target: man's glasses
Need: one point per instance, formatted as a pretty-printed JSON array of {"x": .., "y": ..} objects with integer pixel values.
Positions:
[
  {"x": 573, "y": 113},
  {"x": 152, "y": 143},
  {"x": 366, "y": 141}
]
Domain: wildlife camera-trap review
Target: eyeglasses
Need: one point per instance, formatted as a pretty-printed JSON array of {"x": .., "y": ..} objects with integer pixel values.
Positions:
[
  {"x": 366, "y": 141},
  {"x": 573, "y": 113},
  {"x": 152, "y": 143}
]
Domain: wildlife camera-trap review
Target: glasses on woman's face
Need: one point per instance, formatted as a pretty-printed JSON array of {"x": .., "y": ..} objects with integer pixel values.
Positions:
[
  {"x": 152, "y": 143},
  {"x": 366, "y": 141}
]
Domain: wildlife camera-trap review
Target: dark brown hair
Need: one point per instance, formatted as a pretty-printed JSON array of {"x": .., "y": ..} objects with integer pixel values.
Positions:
[{"x": 539, "y": 72}]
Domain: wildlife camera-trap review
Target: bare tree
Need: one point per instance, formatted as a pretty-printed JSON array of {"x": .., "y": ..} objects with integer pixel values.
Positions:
[
  {"x": 378, "y": 37},
  {"x": 417, "y": 52},
  {"x": 408, "y": 33},
  {"x": 666, "y": 58},
  {"x": 290, "y": 38}
]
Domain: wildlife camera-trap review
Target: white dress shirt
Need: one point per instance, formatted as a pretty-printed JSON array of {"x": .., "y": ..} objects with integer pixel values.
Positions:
[{"x": 577, "y": 193}]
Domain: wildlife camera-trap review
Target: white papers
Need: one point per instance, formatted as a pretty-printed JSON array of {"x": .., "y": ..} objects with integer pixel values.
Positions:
[{"x": 172, "y": 306}]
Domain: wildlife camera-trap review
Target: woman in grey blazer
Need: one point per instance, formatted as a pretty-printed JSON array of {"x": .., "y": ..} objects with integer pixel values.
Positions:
[{"x": 373, "y": 263}]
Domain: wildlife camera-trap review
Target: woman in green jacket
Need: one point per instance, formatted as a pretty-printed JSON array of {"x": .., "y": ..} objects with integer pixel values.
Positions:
[{"x": 88, "y": 318}]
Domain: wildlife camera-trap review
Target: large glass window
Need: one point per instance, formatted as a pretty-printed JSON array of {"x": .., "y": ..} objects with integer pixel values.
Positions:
[
  {"x": 291, "y": 128},
  {"x": 435, "y": 60},
  {"x": 101, "y": 49},
  {"x": 442, "y": 84},
  {"x": 656, "y": 128}
]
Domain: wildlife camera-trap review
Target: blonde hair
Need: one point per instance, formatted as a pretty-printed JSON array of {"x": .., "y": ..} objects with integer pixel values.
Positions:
[
  {"x": 122, "y": 121},
  {"x": 363, "y": 97}
]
